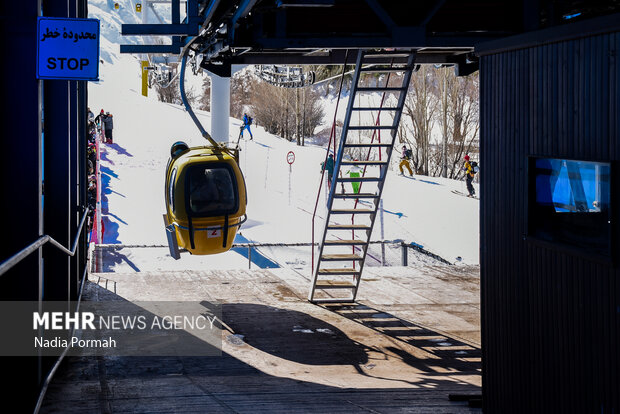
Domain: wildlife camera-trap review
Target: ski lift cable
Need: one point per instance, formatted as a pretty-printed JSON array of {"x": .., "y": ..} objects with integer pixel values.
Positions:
[
  {"x": 342, "y": 74},
  {"x": 188, "y": 107},
  {"x": 334, "y": 77}
]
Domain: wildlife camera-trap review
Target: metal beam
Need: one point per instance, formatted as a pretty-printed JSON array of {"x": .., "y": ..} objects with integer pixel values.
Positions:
[
  {"x": 304, "y": 3},
  {"x": 337, "y": 56},
  {"x": 242, "y": 11},
  {"x": 159, "y": 29},
  {"x": 176, "y": 12},
  {"x": 381, "y": 14},
  {"x": 432, "y": 11},
  {"x": 210, "y": 10},
  {"x": 412, "y": 37},
  {"x": 405, "y": 37},
  {"x": 153, "y": 49}
]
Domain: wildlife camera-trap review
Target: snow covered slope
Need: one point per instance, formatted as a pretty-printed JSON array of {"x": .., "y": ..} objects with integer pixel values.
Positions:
[{"x": 420, "y": 209}]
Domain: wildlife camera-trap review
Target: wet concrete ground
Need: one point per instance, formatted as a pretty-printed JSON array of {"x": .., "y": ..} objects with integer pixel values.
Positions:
[{"x": 411, "y": 339}]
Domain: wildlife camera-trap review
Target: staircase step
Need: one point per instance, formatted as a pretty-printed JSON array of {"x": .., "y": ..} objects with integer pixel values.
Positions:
[
  {"x": 338, "y": 257},
  {"x": 387, "y": 53},
  {"x": 381, "y": 89},
  {"x": 372, "y": 108},
  {"x": 333, "y": 284},
  {"x": 370, "y": 127},
  {"x": 352, "y": 211},
  {"x": 348, "y": 227},
  {"x": 369, "y": 162},
  {"x": 357, "y": 179},
  {"x": 343, "y": 271},
  {"x": 358, "y": 195},
  {"x": 374, "y": 69},
  {"x": 356, "y": 242},
  {"x": 333, "y": 300}
]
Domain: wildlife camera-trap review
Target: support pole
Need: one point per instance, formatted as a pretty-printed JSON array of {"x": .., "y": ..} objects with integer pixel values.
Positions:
[
  {"x": 382, "y": 232},
  {"x": 220, "y": 107},
  {"x": 404, "y": 252},
  {"x": 145, "y": 78}
]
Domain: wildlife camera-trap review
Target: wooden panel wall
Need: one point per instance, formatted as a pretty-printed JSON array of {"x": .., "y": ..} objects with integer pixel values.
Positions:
[{"x": 550, "y": 319}]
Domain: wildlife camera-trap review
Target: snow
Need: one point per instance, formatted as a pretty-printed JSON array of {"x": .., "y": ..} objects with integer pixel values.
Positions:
[{"x": 419, "y": 209}]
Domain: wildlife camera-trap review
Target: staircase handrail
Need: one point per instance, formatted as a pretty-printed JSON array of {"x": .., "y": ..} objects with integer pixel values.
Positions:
[{"x": 332, "y": 136}]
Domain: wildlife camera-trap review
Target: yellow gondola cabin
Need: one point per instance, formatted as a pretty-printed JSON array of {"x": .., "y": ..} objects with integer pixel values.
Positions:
[{"x": 205, "y": 199}]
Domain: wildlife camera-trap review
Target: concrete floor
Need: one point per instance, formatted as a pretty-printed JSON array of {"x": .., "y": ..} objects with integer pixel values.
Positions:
[{"x": 411, "y": 339}]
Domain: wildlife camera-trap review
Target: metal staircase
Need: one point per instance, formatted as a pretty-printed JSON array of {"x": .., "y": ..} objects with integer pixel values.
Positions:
[{"x": 338, "y": 272}]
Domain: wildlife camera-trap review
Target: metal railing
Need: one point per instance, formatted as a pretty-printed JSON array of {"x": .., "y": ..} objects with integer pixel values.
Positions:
[
  {"x": 50, "y": 375},
  {"x": 26, "y": 251},
  {"x": 405, "y": 247},
  {"x": 332, "y": 137}
]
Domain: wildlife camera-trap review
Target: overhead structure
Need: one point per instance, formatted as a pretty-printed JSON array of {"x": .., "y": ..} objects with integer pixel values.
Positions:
[
  {"x": 222, "y": 33},
  {"x": 161, "y": 74},
  {"x": 285, "y": 76}
]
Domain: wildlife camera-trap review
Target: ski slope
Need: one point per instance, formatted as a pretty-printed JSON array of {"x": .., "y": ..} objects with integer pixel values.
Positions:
[{"x": 419, "y": 209}]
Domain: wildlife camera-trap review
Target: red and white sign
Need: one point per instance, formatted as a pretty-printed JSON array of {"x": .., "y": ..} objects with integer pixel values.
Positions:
[
  {"x": 290, "y": 157},
  {"x": 214, "y": 233}
]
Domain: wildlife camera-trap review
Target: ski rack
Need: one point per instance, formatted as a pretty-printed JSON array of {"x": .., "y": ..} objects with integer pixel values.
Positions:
[{"x": 284, "y": 76}]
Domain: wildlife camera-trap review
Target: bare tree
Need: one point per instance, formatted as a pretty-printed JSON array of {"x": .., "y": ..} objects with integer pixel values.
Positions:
[
  {"x": 461, "y": 116},
  {"x": 242, "y": 85},
  {"x": 205, "y": 98},
  {"x": 169, "y": 92},
  {"x": 420, "y": 106},
  {"x": 289, "y": 113}
]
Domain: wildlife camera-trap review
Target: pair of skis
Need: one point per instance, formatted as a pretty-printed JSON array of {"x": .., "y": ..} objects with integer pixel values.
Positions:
[{"x": 465, "y": 195}]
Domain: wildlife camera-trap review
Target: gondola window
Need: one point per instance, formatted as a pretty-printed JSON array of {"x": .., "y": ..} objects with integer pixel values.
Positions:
[
  {"x": 212, "y": 191},
  {"x": 173, "y": 177}
]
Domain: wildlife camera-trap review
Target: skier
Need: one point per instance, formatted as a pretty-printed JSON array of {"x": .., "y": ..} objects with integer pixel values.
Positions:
[
  {"x": 470, "y": 171},
  {"x": 108, "y": 125},
  {"x": 405, "y": 157},
  {"x": 99, "y": 124},
  {"x": 329, "y": 166},
  {"x": 98, "y": 119},
  {"x": 354, "y": 172},
  {"x": 247, "y": 121}
]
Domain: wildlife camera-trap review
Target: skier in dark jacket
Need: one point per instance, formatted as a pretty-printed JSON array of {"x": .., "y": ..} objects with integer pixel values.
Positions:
[
  {"x": 247, "y": 121},
  {"x": 405, "y": 156},
  {"x": 329, "y": 167},
  {"x": 99, "y": 120},
  {"x": 108, "y": 125}
]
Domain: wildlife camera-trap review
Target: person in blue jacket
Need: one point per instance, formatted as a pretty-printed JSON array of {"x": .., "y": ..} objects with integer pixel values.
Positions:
[
  {"x": 247, "y": 121},
  {"x": 329, "y": 167}
]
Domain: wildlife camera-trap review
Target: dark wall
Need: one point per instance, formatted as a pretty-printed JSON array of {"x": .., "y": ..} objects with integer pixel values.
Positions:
[
  {"x": 35, "y": 152},
  {"x": 550, "y": 317}
]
